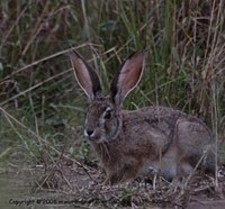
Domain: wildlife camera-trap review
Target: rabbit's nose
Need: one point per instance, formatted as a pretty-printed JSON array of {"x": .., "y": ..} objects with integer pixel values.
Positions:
[{"x": 89, "y": 132}]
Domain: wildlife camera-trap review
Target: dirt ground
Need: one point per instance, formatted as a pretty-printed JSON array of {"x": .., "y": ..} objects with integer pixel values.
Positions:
[{"x": 82, "y": 185}]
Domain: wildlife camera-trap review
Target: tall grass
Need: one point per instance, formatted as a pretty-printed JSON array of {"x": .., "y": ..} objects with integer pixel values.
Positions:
[{"x": 42, "y": 106}]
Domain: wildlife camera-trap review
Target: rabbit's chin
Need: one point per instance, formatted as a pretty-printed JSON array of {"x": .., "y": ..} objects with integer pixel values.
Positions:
[{"x": 96, "y": 138}]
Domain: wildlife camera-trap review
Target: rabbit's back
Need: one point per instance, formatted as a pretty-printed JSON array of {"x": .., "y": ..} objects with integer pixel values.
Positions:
[
  {"x": 175, "y": 125},
  {"x": 154, "y": 124}
]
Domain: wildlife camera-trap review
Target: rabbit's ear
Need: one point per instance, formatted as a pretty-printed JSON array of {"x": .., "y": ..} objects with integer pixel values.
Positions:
[
  {"x": 85, "y": 75},
  {"x": 128, "y": 77}
]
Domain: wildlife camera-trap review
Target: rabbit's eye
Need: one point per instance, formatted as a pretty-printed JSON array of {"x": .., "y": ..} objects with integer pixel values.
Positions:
[{"x": 108, "y": 114}]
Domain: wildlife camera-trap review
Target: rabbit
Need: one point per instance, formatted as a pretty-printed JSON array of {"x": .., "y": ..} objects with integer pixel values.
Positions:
[{"x": 128, "y": 143}]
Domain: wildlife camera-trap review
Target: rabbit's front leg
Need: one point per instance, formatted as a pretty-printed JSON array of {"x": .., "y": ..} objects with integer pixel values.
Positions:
[{"x": 111, "y": 179}]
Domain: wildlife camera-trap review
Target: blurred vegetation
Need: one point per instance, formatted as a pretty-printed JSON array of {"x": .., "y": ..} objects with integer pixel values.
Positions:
[{"x": 41, "y": 106}]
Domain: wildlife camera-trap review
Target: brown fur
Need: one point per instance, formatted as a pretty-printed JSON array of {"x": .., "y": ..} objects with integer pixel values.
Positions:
[
  {"x": 128, "y": 143},
  {"x": 154, "y": 137}
]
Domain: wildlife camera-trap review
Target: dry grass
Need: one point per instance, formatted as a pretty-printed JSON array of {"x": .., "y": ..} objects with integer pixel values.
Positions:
[{"x": 82, "y": 186}]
